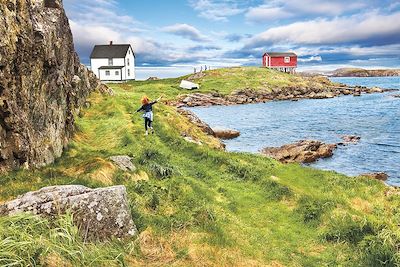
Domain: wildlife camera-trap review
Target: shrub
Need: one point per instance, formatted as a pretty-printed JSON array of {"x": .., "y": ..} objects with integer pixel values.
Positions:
[
  {"x": 349, "y": 229},
  {"x": 381, "y": 249},
  {"x": 275, "y": 191},
  {"x": 161, "y": 171},
  {"x": 312, "y": 209}
]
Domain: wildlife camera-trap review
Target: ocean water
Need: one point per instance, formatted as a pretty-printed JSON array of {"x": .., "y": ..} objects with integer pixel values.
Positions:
[{"x": 374, "y": 117}]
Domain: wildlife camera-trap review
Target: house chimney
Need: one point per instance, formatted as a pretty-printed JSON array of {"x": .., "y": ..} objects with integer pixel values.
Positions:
[{"x": 111, "y": 42}]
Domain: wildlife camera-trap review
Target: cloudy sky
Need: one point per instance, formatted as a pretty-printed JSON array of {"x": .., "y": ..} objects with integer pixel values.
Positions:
[{"x": 172, "y": 37}]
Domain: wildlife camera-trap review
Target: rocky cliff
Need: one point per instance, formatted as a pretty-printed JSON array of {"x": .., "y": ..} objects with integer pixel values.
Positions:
[{"x": 42, "y": 83}]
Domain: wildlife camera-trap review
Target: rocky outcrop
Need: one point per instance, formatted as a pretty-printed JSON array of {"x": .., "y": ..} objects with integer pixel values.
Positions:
[
  {"x": 224, "y": 133},
  {"x": 376, "y": 175},
  {"x": 349, "y": 139},
  {"x": 358, "y": 72},
  {"x": 196, "y": 121},
  {"x": 123, "y": 162},
  {"x": 305, "y": 151},
  {"x": 99, "y": 213},
  {"x": 396, "y": 96},
  {"x": 42, "y": 83},
  {"x": 249, "y": 96}
]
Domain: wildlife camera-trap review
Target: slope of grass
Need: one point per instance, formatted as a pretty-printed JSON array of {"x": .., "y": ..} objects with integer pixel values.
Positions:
[{"x": 195, "y": 205}]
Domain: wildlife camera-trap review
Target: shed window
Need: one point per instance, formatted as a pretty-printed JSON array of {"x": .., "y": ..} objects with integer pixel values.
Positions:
[
  {"x": 129, "y": 72},
  {"x": 116, "y": 72},
  {"x": 287, "y": 60},
  {"x": 107, "y": 73},
  {"x": 110, "y": 62}
]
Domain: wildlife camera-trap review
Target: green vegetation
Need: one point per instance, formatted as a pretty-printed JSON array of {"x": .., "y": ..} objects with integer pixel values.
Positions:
[{"x": 197, "y": 205}]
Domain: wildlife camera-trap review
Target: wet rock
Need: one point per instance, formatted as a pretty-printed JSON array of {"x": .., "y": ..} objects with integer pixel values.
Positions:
[
  {"x": 224, "y": 133},
  {"x": 350, "y": 139},
  {"x": 123, "y": 162},
  {"x": 100, "y": 213},
  {"x": 305, "y": 151},
  {"x": 376, "y": 175}
]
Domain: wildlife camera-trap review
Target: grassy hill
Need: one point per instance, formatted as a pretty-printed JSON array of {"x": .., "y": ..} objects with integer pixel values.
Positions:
[{"x": 196, "y": 205}]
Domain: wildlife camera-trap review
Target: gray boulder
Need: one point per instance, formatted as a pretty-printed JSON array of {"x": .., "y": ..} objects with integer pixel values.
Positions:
[
  {"x": 100, "y": 213},
  {"x": 123, "y": 162}
]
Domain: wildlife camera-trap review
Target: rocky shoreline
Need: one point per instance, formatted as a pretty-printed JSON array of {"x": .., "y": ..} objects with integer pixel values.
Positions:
[{"x": 251, "y": 96}]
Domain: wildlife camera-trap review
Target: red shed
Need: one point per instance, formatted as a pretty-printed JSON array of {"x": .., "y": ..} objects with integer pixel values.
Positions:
[{"x": 286, "y": 62}]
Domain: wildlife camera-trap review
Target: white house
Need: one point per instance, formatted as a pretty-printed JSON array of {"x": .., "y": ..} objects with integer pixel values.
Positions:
[{"x": 113, "y": 62}]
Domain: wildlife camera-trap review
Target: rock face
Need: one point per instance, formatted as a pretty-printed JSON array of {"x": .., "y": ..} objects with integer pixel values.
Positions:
[
  {"x": 123, "y": 162},
  {"x": 99, "y": 213},
  {"x": 42, "y": 83},
  {"x": 305, "y": 151},
  {"x": 196, "y": 120},
  {"x": 376, "y": 175},
  {"x": 225, "y": 133}
]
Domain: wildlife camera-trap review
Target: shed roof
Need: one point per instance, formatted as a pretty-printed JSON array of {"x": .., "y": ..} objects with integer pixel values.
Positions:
[
  {"x": 110, "y": 51},
  {"x": 281, "y": 54},
  {"x": 110, "y": 67}
]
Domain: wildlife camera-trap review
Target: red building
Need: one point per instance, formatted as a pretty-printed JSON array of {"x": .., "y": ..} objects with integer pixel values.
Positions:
[{"x": 286, "y": 62}]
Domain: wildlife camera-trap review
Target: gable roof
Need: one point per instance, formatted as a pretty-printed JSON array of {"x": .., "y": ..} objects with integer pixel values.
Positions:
[
  {"x": 280, "y": 54},
  {"x": 110, "y": 51}
]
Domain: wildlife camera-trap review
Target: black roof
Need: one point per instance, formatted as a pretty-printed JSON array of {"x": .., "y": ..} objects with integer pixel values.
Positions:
[
  {"x": 110, "y": 67},
  {"x": 281, "y": 54},
  {"x": 110, "y": 51}
]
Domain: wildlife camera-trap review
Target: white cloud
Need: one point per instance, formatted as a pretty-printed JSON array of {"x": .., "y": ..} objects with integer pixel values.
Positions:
[
  {"x": 218, "y": 10},
  {"x": 356, "y": 28},
  {"x": 285, "y": 9},
  {"x": 311, "y": 59},
  {"x": 267, "y": 13},
  {"x": 186, "y": 31}
]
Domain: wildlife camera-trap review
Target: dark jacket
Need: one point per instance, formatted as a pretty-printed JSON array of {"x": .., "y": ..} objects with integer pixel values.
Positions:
[{"x": 147, "y": 107}]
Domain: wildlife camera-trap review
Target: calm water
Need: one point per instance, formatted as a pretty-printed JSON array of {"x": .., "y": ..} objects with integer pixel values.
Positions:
[{"x": 374, "y": 117}]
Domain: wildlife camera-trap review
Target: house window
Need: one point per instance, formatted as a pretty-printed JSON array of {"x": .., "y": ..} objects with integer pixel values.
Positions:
[
  {"x": 127, "y": 61},
  {"x": 287, "y": 60},
  {"x": 110, "y": 62},
  {"x": 107, "y": 73},
  {"x": 129, "y": 72},
  {"x": 116, "y": 72}
]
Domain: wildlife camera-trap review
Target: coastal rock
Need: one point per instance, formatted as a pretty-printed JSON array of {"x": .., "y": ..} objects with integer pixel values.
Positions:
[
  {"x": 376, "y": 175},
  {"x": 305, "y": 151},
  {"x": 350, "y": 139},
  {"x": 123, "y": 162},
  {"x": 100, "y": 213},
  {"x": 153, "y": 79},
  {"x": 42, "y": 83},
  {"x": 196, "y": 120},
  {"x": 224, "y": 133},
  {"x": 396, "y": 96}
]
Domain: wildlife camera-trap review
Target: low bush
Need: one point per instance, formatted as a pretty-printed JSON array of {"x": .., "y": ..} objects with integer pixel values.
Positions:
[
  {"x": 312, "y": 209},
  {"x": 275, "y": 191},
  {"x": 348, "y": 228}
]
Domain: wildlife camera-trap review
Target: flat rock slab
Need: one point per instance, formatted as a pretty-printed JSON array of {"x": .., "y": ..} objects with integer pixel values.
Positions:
[
  {"x": 123, "y": 162},
  {"x": 100, "y": 213},
  {"x": 305, "y": 151},
  {"x": 224, "y": 133}
]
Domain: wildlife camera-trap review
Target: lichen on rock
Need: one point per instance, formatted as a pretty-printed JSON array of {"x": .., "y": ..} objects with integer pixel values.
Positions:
[{"x": 42, "y": 83}]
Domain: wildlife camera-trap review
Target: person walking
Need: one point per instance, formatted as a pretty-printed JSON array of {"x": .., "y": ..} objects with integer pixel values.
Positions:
[{"x": 147, "y": 108}]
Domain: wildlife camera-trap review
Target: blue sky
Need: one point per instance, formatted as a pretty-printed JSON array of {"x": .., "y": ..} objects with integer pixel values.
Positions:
[{"x": 172, "y": 37}]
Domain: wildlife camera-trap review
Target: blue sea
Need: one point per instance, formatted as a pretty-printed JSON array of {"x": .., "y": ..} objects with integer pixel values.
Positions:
[{"x": 373, "y": 117}]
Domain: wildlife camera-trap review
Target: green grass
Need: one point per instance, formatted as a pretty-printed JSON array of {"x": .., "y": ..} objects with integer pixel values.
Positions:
[{"x": 197, "y": 205}]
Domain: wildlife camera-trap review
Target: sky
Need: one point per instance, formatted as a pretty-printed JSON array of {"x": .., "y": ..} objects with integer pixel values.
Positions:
[{"x": 171, "y": 37}]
